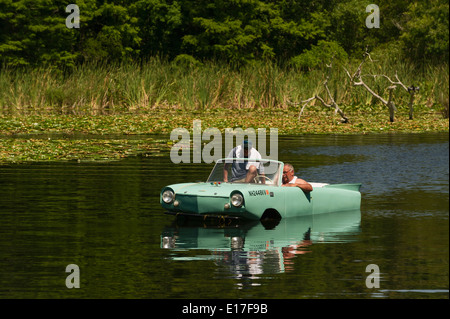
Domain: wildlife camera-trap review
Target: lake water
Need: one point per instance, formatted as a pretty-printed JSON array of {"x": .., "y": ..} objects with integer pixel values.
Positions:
[{"x": 106, "y": 219}]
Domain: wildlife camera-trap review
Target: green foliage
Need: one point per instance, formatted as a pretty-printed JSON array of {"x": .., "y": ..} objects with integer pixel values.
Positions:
[
  {"x": 427, "y": 34},
  {"x": 34, "y": 32},
  {"x": 111, "y": 34},
  {"x": 348, "y": 25},
  {"x": 320, "y": 54},
  {"x": 159, "y": 23},
  {"x": 186, "y": 61},
  {"x": 239, "y": 32}
]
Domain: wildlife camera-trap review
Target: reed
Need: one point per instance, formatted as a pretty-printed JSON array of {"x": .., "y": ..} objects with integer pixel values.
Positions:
[{"x": 158, "y": 84}]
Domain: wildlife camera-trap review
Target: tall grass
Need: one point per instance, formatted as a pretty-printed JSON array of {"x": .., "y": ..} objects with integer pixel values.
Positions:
[{"x": 146, "y": 86}]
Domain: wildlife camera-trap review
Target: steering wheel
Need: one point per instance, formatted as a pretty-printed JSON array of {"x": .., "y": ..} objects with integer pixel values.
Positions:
[{"x": 257, "y": 180}]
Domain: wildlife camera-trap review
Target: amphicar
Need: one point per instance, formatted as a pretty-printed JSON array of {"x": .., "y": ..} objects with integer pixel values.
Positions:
[{"x": 264, "y": 197}]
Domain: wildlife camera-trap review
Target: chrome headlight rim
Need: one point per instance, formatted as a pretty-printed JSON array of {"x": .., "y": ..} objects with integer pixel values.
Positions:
[
  {"x": 236, "y": 199},
  {"x": 168, "y": 196}
]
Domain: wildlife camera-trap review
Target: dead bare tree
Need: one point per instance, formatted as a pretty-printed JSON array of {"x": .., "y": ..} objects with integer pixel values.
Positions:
[
  {"x": 412, "y": 90},
  {"x": 332, "y": 104},
  {"x": 357, "y": 80}
]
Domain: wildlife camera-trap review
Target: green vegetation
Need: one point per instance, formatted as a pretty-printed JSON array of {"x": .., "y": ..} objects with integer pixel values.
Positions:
[
  {"x": 34, "y": 32},
  {"x": 164, "y": 121},
  {"x": 60, "y": 149},
  {"x": 149, "y": 66},
  {"x": 142, "y": 88},
  {"x": 133, "y": 56}
]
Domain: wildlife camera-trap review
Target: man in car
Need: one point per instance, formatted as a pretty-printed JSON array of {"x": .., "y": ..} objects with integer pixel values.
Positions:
[
  {"x": 243, "y": 171},
  {"x": 289, "y": 180}
]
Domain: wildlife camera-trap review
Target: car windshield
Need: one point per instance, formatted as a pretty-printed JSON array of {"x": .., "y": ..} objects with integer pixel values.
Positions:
[{"x": 266, "y": 171}]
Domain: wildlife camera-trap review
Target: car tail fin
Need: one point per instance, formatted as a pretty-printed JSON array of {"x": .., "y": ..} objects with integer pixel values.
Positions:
[{"x": 350, "y": 187}]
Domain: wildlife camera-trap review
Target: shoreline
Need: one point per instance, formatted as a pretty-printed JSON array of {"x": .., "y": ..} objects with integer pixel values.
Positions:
[{"x": 49, "y": 138}]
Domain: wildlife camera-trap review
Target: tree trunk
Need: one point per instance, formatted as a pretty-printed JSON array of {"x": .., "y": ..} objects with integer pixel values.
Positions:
[{"x": 391, "y": 104}]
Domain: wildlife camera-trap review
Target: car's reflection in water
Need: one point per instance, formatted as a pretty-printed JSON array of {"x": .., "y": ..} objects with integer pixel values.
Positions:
[{"x": 254, "y": 248}]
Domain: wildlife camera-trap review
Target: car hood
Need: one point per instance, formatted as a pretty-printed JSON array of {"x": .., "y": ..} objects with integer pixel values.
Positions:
[{"x": 216, "y": 189}]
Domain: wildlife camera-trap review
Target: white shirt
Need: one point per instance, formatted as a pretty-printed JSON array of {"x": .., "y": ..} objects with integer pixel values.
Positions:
[
  {"x": 238, "y": 152},
  {"x": 238, "y": 170}
]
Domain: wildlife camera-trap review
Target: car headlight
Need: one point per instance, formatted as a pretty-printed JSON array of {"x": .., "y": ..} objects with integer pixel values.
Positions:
[
  {"x": 237, "y": 200},
  {"x": 168, "y": 196}
]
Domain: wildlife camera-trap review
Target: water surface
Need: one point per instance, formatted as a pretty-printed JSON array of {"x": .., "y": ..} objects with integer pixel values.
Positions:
[{"x": 106, "y": 218}]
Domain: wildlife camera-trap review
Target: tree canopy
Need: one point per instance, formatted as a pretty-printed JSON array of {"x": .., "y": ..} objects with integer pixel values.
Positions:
[{"x": 34, "y": 32}]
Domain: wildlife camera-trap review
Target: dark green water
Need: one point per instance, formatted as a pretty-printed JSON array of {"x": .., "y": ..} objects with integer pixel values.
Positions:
[{"x": 106, "y": 218}]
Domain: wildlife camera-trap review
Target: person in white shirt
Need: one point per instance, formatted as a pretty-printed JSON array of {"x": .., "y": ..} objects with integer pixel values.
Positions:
[
  {"x": 289, "y": 180},
  {"x": 243, "y": 171}
]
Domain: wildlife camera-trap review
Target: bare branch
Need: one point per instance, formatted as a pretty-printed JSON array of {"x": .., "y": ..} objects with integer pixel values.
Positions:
[
  {"x": 348, "y": 74},
  {"x": 399, "y": 82},
  {"x": 305, "y": 102},
  {"x": 389, "y": 79},
  {"x": 361, "y": 83},
  {"x": 333, "y": 102},
  {"x": 323, "y": 102},
  {"x": 357, "y": 80}
]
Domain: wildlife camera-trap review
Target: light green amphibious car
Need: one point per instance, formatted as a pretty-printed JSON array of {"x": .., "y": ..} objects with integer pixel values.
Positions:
[{"x": 263, "y": 198}]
